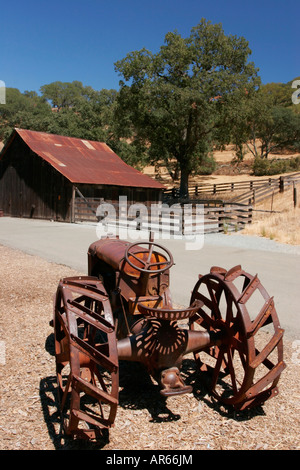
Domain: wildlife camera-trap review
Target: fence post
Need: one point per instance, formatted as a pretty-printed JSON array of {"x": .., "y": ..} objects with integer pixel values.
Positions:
[
  {"x": 182, "y": 219},
  {"x": 295, "y": 195},
  {"x": 221, "y": 220},
  {"x": 272, "y": 201},
  {"x": 281, "y": 184},
  {"x": 250, "y": 210},
  {"x": 138, "y": 223}
]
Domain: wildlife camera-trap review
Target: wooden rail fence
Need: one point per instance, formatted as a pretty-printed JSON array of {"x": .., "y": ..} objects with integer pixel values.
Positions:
[
  {"x": 217, "y": 215},
  {"x": 179, "y": 219},
  {"x": 266, "y": 190},
  {"x": 246, "y": 187}
]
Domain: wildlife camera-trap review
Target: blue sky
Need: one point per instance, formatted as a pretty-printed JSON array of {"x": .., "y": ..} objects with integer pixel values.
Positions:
[{"x": 66, "y": 40}]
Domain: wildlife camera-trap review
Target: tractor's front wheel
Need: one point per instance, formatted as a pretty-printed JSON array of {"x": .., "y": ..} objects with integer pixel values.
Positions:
[{"x": 86, "y": 357}]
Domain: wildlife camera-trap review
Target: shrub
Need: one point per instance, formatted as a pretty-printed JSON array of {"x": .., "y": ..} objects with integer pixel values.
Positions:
[
  {"x": 264, "y": 167},
  {"x": 207, "y": 167}
]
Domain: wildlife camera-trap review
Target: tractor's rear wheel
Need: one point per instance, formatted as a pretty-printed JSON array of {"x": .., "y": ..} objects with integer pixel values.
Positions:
[
  {"x": 244, "y": 368},
  {"x": 86, "y": 357}
]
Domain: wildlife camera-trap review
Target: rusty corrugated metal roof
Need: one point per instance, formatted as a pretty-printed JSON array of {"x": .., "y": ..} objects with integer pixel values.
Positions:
[{"x": 84, "y": 161}]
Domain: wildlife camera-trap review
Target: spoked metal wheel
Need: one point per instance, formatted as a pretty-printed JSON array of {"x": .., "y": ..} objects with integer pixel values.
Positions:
[
  {"x": 86, "y": 357},
  {"x": 243, "y": 369}
]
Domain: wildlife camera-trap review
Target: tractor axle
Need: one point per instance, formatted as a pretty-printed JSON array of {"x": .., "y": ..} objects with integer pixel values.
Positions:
[{"x": 160, "y": 345}]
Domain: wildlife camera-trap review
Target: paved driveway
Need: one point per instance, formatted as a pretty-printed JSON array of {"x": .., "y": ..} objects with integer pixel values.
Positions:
[{"x": 278, "y": 266}]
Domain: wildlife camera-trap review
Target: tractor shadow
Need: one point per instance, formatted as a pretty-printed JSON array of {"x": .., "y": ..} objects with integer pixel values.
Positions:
[
  {"x": 137, "y": 392},
  {"x": 52, "y": 417},
  {"x": 49, "y": 403},
  {"x": 201, "y": 392}
]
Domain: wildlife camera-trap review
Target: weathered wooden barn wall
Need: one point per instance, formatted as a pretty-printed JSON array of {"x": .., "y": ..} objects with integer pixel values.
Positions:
[
  {"x": 112, "y": 193},
  {"x": 30, "y": 187},
  {"x": 89, "y": 197}
]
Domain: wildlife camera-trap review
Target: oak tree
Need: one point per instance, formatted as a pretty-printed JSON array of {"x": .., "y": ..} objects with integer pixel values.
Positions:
[{"x": 173, "y": 103}]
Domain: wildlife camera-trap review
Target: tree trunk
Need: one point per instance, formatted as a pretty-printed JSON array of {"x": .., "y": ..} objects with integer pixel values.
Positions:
[{"x": 184, "y": 180}]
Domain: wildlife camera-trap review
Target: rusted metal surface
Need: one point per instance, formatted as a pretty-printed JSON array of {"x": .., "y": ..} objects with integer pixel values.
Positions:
[
  {"x": 83, "y": 161},
  {"x": 247, "y": 366},
  {"x": 84, "y": 340},
  {"x": 123, "y": 311}
]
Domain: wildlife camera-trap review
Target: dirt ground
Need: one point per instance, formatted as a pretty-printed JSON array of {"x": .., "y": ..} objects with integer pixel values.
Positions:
[
  {"x": 226, "y": 171},
  {"x": 29, "y": 419}
]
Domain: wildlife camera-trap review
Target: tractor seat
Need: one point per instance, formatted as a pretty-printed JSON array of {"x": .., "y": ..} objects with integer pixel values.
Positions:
[{"x": 167, "y": 313}]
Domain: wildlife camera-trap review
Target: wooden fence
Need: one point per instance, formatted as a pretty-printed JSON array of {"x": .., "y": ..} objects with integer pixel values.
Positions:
[
  {"x": 190, "y": 216},
  {"x": 247, "y": 188},
  {"x": 178, "y": 219},
  {"x": 264, "y": 191}
]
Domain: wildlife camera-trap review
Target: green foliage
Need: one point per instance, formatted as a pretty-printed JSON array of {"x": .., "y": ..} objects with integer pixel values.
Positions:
[
  {"x": 264, "y": 167},
  {"x": 174, "y": 107},
  {"x": 278, "y": 94},
  {"x": 175, "y": 100},
  {"x": 208, "y": 165},
  {"x": 278, "y": 128},
  {"x": 72, "y": 110},
  {"x": 264, "y": 122},
  {"x": 65, "y": 94},
  {"x": 23, "y": 110}
]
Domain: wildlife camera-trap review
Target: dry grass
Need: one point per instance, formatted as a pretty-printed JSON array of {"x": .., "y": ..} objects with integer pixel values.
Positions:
[
  {"x": 227, "y": 169},
  {"x": 283, "y": 225}
]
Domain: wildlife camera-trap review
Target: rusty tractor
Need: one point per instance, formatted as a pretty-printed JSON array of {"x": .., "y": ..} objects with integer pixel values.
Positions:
[{"x": 122, "y": 311}]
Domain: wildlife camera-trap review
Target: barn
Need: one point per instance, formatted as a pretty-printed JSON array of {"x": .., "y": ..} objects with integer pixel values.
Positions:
[{"x": 46, "y": 176}]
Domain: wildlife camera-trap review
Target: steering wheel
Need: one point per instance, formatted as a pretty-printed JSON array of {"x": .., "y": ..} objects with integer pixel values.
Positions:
[{"x": 168, "y": 262}]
